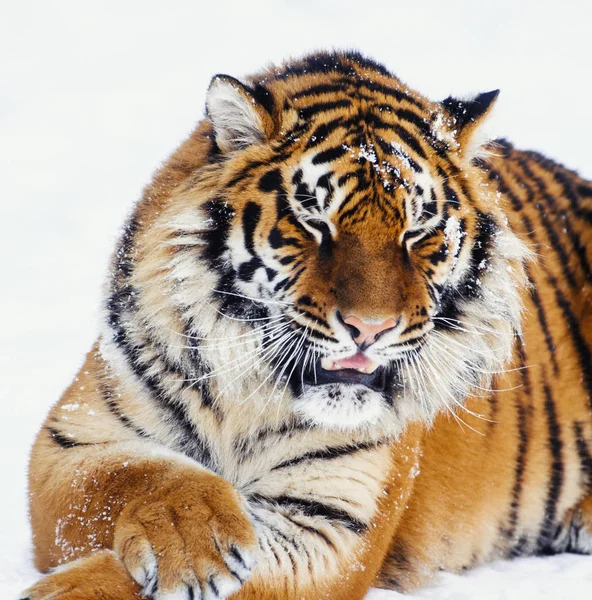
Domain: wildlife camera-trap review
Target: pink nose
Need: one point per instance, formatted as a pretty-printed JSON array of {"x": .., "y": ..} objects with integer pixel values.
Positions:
[{"x": 364, "y": 333}]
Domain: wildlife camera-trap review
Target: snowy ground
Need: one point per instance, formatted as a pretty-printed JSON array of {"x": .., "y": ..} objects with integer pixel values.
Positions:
[{"x": 93, "y": 95}]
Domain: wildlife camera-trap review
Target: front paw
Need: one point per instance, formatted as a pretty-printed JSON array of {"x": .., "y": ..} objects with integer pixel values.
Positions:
[{"x": 191, "y": 540}]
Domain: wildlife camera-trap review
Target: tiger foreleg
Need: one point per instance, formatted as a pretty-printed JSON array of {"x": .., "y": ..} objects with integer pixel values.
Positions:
[
  {"x": 119, "y": 524},
  {"x": 179, "y": 530},
  {"x": 296, "y": 559}
]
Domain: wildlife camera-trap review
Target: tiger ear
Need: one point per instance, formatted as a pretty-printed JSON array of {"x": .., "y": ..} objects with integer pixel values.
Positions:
[
  {"x": 467, "y": 115},
  {"x": 239, "y": 120}
]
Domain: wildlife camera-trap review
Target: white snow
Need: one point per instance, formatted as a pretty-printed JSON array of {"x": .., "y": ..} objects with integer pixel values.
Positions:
[{"x": 94, "y": 95}]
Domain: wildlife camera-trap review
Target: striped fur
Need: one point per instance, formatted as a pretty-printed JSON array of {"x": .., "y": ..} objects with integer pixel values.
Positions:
[{"x": 204, "y": 446}]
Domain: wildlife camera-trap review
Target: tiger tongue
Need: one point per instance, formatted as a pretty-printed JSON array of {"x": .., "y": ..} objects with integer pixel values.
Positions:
[{"x": 358, "y": 362}]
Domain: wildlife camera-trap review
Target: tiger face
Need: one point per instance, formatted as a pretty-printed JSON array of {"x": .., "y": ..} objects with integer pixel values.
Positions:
[{"x": 343, "y": 222}]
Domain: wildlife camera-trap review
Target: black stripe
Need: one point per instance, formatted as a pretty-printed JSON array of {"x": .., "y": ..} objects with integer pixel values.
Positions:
[
  {"x": 315, "y": 333},
  {"x": 413, "y": 118},
  {"x": 494, "y": 175},
  {"x": 353, "y": 194},
  {"x": 271, "y": 181},
  {"x": 215, "y": 239},
  {"x": 324, "y": 130},
  {"x": 481, "y": 249},
  {"x": 115, "y": 410},
  {"x": 579, "y": 247},
  {"x": 519, "y": 469},
  {"x": 329, "y": 155},
  {"x": 317, "y": 319},
  {"x": 289, "y": 282},
  {"x": 389, "y": 149},
  {"x": 310, "y": 111},
  {"x": 310, "y": 529},
  {"x": 359, "y": 209},
  {"x": 246, "y": 447},
  {"x": 323, "y": 88},
  {"x": 245, "y": 172},
  {"x": 414, "y": 327},
  {"x": 213, "y": 586},
  {"x": 247, "y": 269},
  {"x": 409, "y": 139},
  {"x": 520, "y": 548},
  {"x": 579, "y": 342},
  {"x": 347, "y": 176},
  {"x": 390, "y": 92},
  {"x": 281, "y": 537},
  {"x": 312, "y": 508},
  {"x": 397, "y": 563},
  {"x": 277, "y": 240},
  {"x": 65, "y": 442},
  {"x": 198, "y": 378},
  {"x": 556, "y": 475},
  {"x": 449, "y": 193},
  {"x": 542, "y": 318},
  {"x": 583, "y": 454},
  {"x": 586, "y": 214},
  {"x": 522, "y": 421},
  {"x": 251, "y": 216},
  {"x": 585, "y": 190},
  {"x": 327, "y": 454}
]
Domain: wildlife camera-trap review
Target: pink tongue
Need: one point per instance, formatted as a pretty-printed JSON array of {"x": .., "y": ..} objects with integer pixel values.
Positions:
[{"x": 357, "y": 361}]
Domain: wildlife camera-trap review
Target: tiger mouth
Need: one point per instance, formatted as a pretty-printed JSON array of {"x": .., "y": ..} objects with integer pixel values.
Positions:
[
  {"x": 363, "y": 365},
  {"x": 380, "y": 379}
]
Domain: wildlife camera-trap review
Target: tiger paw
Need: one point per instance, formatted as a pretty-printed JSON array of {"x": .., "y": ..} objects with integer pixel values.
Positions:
[
  {"x": 190, "y": 540},
  {"x": 99, "y": 575}
]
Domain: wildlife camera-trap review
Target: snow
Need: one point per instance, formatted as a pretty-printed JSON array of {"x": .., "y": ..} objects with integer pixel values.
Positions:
[{"x": 95, "y": 94}]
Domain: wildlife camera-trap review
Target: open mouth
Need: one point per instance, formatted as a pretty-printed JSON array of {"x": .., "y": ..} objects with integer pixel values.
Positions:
[{"x": 357, "y": 369}]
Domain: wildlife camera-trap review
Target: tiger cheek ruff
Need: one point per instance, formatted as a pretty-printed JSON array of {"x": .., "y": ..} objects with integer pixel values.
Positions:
[{"x": 344, "y": 343}]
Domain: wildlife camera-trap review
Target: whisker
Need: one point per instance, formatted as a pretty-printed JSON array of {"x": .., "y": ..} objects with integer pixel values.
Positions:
[
  {"x": 260, "y": 386},
  {"x": 222, "y": 370},
  {"x": 263, "y": 300},
  {"x": 221, "y": 339},
  {"x": 438, "y": 389},
  {"x": 447, "y": 349},
  {"x": 269, "y": 354}
]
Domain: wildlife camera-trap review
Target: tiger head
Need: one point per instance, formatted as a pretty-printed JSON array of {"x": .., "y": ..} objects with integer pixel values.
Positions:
[{"x": 337, "y": 249}]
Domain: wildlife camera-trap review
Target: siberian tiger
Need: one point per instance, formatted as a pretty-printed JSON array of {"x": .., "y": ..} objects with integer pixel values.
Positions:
[{"x": 343, "y": 345}]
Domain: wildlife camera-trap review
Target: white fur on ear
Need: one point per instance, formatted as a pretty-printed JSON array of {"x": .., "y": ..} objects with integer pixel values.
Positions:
[{"x": 234, "y": 113}]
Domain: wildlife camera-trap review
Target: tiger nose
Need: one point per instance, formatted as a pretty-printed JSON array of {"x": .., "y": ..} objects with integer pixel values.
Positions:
[{"x": 365, "y": 333}]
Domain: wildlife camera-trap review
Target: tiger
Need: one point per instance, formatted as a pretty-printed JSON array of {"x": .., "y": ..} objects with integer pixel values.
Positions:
[{"x": 345, "y": 343}]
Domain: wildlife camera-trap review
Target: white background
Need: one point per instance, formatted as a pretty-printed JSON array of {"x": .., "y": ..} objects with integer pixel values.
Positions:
[{"x": 94, "y": 95}]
